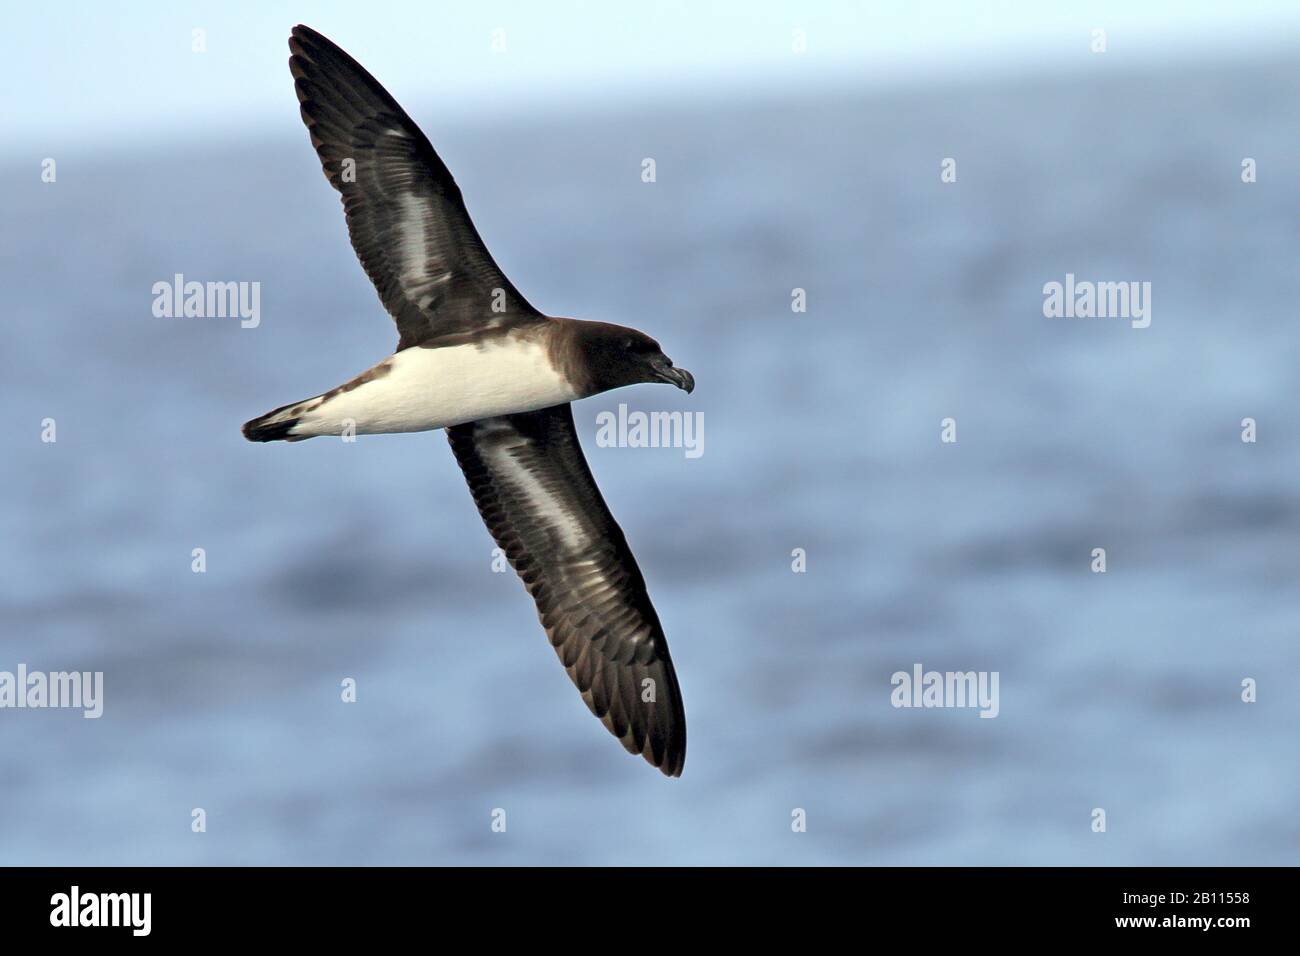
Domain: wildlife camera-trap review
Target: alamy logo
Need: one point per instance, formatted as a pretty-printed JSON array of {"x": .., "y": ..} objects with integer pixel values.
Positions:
[
  {"x": 208, "y": 300},
  {"x": 651, "y": 430},
  {"x": 922, "y": 688},
  {"x": 102, "y": 909},
  {"x": 36, "y": 689},
  {"x": 1098, "y": 300}
]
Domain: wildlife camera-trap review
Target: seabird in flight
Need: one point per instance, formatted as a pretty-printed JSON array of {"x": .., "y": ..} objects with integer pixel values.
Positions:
[{"x": 475, "y": 358}]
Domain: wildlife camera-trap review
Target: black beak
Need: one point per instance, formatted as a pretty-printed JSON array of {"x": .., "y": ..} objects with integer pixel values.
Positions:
[{"x": 675, "y": 376}]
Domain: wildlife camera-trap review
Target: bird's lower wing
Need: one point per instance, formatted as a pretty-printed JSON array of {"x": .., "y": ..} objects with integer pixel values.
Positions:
[{"x": 537, "y": 497}]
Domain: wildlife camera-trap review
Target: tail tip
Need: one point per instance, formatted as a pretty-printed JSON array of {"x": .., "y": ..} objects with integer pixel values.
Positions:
[{"x": 261, "y": 429}]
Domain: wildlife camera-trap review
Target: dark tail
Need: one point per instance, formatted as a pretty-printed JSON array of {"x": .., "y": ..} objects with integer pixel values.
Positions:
[{"x": 273, "y": 426}]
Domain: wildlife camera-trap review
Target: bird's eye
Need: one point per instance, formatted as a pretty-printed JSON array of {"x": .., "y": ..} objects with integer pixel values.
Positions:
[{"x": 627, "y": 343}]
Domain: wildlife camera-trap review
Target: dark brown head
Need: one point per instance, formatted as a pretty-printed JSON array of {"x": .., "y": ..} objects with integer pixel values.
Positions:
[{"x": 613, "y": 356}]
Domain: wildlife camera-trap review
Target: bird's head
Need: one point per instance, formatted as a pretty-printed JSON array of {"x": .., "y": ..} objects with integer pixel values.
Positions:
[{"x": 618, "y": 356}]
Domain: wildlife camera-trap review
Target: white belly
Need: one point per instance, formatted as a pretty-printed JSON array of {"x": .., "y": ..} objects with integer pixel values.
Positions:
[{"x": 435, "y": 388}]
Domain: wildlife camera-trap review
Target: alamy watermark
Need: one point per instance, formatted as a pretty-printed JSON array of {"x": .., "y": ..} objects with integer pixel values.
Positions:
[
  {"x": 208, "y": 300},
  {"x": 36, "y": 689},
  {"x": 1098, "y": 300},
  {"x": 130, "y": 910},
  {"x": 922, "y": 688},
  {"x": 651, "y": 430}
]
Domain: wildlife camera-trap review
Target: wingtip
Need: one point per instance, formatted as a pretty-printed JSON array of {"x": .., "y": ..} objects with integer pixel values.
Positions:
[
  {"x": 669, "y": 764},
  {"x": 302, "y": 37}
]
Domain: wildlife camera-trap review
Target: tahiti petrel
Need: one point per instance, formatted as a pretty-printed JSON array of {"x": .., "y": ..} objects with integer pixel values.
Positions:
[{"x": 475, "y": 358}]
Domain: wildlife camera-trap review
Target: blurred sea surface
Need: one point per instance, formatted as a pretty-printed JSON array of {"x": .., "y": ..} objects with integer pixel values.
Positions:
[{"x": 328, "y": 560}]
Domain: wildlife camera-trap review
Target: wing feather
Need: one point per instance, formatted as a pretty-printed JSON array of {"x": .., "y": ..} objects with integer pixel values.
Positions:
[
  {"x": 405, "y": 213},
  {"x": 537, "y": 497}
]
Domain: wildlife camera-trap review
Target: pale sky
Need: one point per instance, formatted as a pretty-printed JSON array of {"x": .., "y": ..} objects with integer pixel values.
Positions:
[{"x": 96, "y": 71}]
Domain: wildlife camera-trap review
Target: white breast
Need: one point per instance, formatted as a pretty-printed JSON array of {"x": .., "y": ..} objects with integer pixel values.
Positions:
[{"x": 426, "y": 388}]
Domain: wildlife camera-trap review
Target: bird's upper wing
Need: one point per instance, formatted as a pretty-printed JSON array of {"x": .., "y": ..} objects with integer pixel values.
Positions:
[
  {"x": 536, "y": 494},
  {"x": 405, "y": 213}
]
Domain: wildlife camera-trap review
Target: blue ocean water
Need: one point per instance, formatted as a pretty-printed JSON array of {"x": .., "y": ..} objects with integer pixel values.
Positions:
[{"x": 328, "y": 560}]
